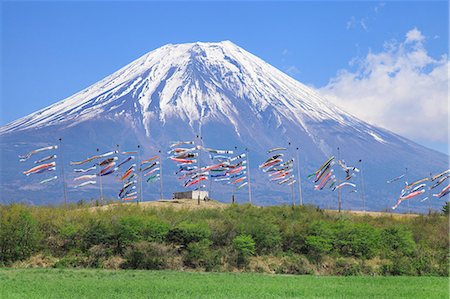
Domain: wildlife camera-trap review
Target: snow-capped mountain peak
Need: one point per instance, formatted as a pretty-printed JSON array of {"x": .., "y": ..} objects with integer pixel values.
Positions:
[
  {"x": 230, "y": 99},
  {"x": 195, "y": 82}
]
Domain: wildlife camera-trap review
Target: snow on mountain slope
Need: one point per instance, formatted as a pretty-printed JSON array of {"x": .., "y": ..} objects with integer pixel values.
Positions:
[
  {"x": 231, "y": 98},
  {"x": 198, "y": 81}
]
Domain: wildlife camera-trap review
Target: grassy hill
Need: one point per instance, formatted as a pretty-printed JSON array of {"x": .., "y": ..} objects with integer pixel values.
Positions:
[{"x": 182, "y": 235}]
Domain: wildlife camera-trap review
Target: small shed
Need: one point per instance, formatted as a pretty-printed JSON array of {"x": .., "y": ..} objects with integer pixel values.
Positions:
[{"x": 196, "y": 194}]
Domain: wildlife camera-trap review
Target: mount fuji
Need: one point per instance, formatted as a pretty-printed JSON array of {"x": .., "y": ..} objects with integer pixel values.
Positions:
[{"x": 233, "y": 100}]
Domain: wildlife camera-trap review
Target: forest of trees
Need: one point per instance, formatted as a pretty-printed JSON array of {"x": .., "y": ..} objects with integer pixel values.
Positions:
[{"x": 303, "y": 240}]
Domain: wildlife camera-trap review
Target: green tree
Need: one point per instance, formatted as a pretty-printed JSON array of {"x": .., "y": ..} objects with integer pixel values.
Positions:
[
  {"x": 19, "y": 234},
  {"x": 126, "y": 231},
  {"x": 200, "y": 254},
  {"x": 186, "y": 232},
  {"x": 446, "y": 208},
  {"x": 357, "y": 240},
  {"x": 396, "y": 240},
  {"x": 244, "y": 245},
  {"x": 96, "y": 232},
  {"x": 155, "y": 230},
  {"x": 319, "y": 241}
]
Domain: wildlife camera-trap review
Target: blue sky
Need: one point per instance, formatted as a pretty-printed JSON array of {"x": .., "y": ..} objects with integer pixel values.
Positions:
[{"x": 51, "y": 50}]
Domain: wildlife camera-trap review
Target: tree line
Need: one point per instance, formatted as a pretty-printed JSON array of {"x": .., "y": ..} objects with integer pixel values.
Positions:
[{"x": 303, "y": 240}]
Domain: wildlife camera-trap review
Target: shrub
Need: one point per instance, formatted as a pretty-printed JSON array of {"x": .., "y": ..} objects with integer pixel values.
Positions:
[
  {"x": 96, "y": 232},
  {"x": 113, "y": 263},
  {"x": 185, "y": 233},
  {"x": 347, "y": 267},
  {"x": 72, "y": 260},
  {"x": 423, "y": 261},
  {"x": 97, "y": 254},
  {"x": 126, "y": 231},
  {"x": 294, "y": 238},
  {"x": 396, "y": 240},
  {"x": 69, "y": 233},
  {"x": 319, "y": 240},
  {"x": 295, "y": 264},
  {"x": 398, "y": 265},
  {"x": 446, "y": 208},
  {"x": 200, "y": 255},
  {"x": 357, "y": 240},
  {"x": 222, "y": 231},
  {"x": 145, "y": 255},
  {"x": 155, "y": 230},
  {"x": 267, "y": 236},
  {"x": 244, "y": 247},
  {"x": 19, "y": 235}
]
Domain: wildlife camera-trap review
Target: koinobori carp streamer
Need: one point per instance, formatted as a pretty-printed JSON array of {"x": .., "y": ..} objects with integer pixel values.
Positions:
[
  {"x": 107, "y": 161},
  {"x": 93, "y": 158},
  {"x": 39, "y": 167},
  {"x": 85, "y": 184},
  {"x": 395, "y": 179},
  {"x": 149, "y": 160},
  {"x": 441, "y": 180},
  {"x": 344, "y": 184},
  {"x": 443, "y": 193},
  {"x": 322, "y": 167},
  {"x": 276, "y": 149},
  {"x": 27, "y": 156},
  {"x": 178, "y": 143},
  {"x": 85, "y": 177},
  {"x": 439, "y": 175},
  {"x": 408, "y": 196},
  {"x": 109, "y": 172},
  {"x": 85, "y": 170},
  {"x": 48, "y": 180},
  {"x": 45, "y": 159}
]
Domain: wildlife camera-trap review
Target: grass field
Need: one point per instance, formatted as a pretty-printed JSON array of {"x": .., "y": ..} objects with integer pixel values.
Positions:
[{"x": 56, "y": 283}]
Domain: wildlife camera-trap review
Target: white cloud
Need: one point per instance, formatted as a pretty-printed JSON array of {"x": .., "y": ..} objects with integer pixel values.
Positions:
[
  {"x": 378, "y": 7},
  {"x": 351, "y": 23},
  {"x": 292, "y": 70},
  {"x": 401, "y": 88},
  {"x": 414, "y": 35},
  {"x": 363, "y": 23}
]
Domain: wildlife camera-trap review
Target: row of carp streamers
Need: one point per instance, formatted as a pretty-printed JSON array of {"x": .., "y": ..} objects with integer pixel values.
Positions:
[
  {"x": 279, "y": 171},
  {"x": 185, "y": 158},
  {"x": 107, "y": 165},
  {"x": 45, "y": 166},
  {"x": 228, "y": 169},
  {"x": 419, "y": 187},
  {"x": 325, "y": 176},
  {"x": 224, "y": 167},
  {"x": 151, "y": 169}
]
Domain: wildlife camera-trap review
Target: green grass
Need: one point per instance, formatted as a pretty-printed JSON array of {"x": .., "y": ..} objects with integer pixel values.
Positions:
[{"x": 56, "y": 283}]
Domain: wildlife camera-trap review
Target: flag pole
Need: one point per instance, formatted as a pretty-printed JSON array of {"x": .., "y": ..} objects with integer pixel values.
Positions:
[
  {"x": 161, "y": 190},
  {"x": 362, "y": 187},
  {"x": 198, "y": 165},
  {"x": 62, "y": 172},
  {"x": 339, "y": 190},
  {"x": 248, "y": 177},
  {"x": 139, "y": 168},
  {"x": 429, "y": 194},
  {"x": 101, "y": 185},
  {"x": 292, "y": 186},
  {"x": 406, "y": 178},
  {"x": 292, "y": 194},
  {"x": 299, "y": 179},
  {"x": 118, "y": 155}
]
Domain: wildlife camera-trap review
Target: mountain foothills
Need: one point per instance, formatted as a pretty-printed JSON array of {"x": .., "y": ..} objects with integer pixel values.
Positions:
[{"x": 232, "y": 100}]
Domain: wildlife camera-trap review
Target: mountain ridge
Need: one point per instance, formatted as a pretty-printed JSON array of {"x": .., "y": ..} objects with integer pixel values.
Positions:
[{"x": 230, "y": 98}]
